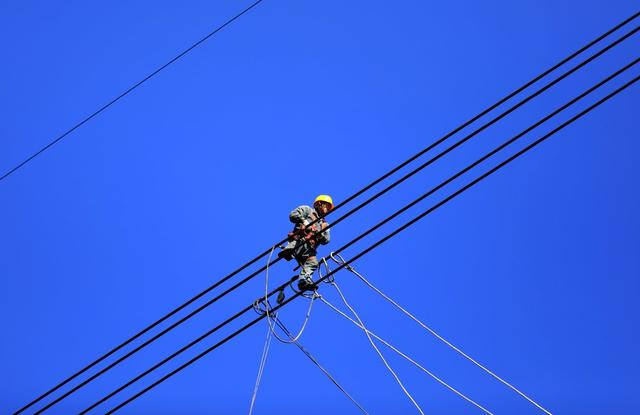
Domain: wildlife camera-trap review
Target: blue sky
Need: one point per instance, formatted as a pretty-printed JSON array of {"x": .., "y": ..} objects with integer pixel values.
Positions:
[{"x": 534, "y": 272}]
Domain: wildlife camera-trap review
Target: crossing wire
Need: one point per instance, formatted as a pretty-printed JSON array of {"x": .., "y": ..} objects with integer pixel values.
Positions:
[
  {"x": 127, "y": 92},
  {"x": 263, "y": 362},
  {"x": 379, "y": 242},
  {"x": 347, "y": 245},
  {"x": 373, "y": 344},
  {"x": 416, "y": 364},
  {"x": 349, "y": 199},
  {"x": 442, "y": 339},
  {"x": 315, "y": 362}
]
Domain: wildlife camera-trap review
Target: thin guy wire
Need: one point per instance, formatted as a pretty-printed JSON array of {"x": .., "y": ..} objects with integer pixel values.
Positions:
[
  {"x": 591, "y": 58},
  {"x": 125, "y": 93},
  {"x": 376, "y": 244},
  {"x": 418, "y": 365},
  {"x": 373, "y": 344},
  {"x": 210, "y": 288},
  {"x": 67, "y": 380},
  {"x": 263, "y": 361},
  {"x": 315, "y": 362}
]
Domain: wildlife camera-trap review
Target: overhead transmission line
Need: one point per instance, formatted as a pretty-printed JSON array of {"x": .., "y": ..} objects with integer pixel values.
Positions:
[
  {"x": 375, "y": 245},
  {"x": 349, "y": 199},
  {"x": 128, "y": 91},
  {"x": 367, "y": 250}
]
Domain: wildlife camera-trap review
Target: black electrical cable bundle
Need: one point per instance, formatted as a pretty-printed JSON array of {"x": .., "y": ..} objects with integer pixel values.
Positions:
[
  {"x": 349, "y": 199},
  {"x": 379, "y": 242},
  {"x": 405, "y": 226}
]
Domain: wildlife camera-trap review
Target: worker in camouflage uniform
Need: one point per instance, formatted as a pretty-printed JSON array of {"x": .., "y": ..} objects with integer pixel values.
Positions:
[{"x": 305, "y": 237}]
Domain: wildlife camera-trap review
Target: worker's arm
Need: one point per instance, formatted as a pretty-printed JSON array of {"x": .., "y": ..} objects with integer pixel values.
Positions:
[
  {"x": 324, "y": 237},
  {"x": 300, "y": 214}
]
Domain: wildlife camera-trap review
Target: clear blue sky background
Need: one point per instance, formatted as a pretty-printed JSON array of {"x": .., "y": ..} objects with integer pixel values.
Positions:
[{"x": 534, "y": 272}]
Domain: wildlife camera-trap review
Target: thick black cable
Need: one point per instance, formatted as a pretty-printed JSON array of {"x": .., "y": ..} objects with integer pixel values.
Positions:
[
  {"x": 386, "y": 175},
  {"x": 490, "y": 172},
  {"x": 508, "y": 142},
  {"x": 486, "y": 125},
  {"x": 487, "y": 155},
  {"x": 379, "y": 242},
  {"x": 141, "y": 346},
  {"x": 125, "y": 93},
  {"x": 157, "y": 365}
]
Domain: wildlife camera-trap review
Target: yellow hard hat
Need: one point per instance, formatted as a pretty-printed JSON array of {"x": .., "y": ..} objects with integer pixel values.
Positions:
[{"x": 326, "y": 199}]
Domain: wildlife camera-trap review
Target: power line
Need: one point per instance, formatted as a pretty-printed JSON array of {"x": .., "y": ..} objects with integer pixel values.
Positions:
[
  {"x": 347, "y": 245},
  {"x": 125, "y": 93},
  {"x": 397, "y": 213},
  {"x": 486, "y": 156},
  {"x": 381, "y": 241},
  {"x": 369, "y": 186},
  {"x": 487, "y": 124},
  {"x": 371, "y": 247}
]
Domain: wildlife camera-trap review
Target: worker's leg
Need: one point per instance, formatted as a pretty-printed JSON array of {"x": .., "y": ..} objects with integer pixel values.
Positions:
[
  {"x": 305, "y": 279},
  {"x": 288, "y": 251}
]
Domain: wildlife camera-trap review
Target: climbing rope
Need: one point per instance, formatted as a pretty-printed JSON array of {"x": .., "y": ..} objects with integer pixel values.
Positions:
[
  {"x": 273, "y": 318},
  {"x": 344, "y": 300},
  {"x": 442, "y": 382},
  {"x": 263, "y": 361},
  {"x": 315, "y": 362},
  {"x": 267, "y": 307},
  {"x": 340, "y": 260}
]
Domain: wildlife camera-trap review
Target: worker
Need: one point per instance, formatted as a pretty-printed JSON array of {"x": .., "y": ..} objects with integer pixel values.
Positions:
[{"x": 306, "y": 236}]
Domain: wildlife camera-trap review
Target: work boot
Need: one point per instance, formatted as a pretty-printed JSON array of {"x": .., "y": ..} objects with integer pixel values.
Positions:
[
  {"x": 306, "y": 284},
  {"x": 286, "y": 254}
]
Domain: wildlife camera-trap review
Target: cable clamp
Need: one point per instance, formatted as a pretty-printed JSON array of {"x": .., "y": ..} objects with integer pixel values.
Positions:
[
  {"x": 341, "y": 261},
  {"x": 257, "y": 306}
]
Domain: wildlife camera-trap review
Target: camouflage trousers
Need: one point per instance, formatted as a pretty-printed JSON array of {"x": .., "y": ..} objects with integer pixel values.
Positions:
[
  {"x": 309, "y": 266},
  {"x": 306, "y": 258}
]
